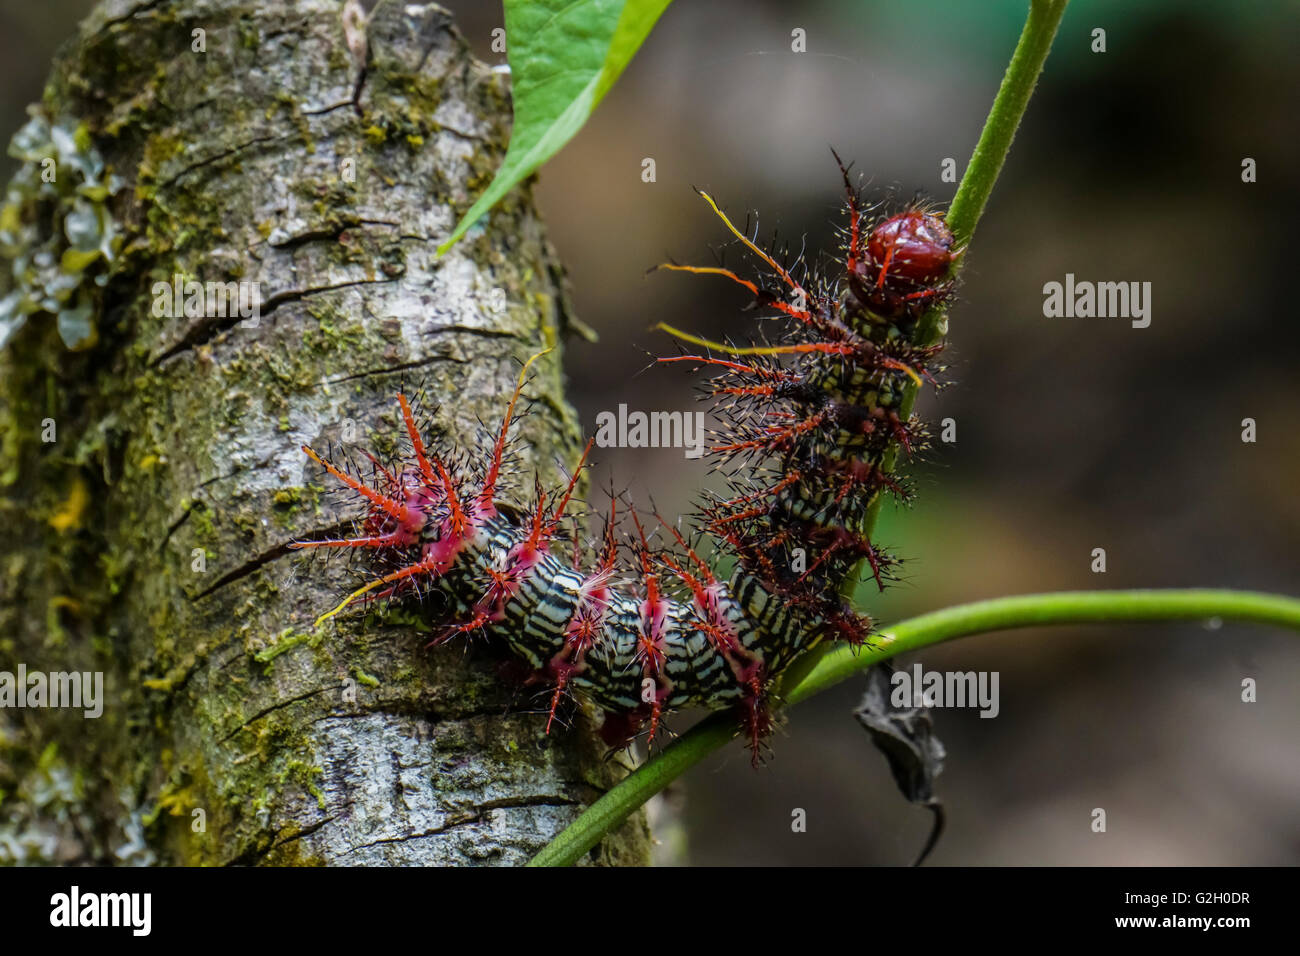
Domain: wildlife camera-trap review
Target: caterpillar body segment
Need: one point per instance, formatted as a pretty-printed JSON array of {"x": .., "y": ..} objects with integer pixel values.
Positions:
[{"x": 811, "y": 421}]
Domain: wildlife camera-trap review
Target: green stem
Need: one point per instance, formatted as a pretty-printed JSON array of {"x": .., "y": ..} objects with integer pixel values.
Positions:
[
  {"x": 1004, "y": 118},
  {"x": 999, "y": 614},
  {"x": 1033, "y": 610},
  {"x": 974, "y": 189}
]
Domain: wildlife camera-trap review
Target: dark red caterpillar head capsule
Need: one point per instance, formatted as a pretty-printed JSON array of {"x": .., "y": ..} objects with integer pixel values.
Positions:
[
  {"x": 905, "y": 268},
  {"x": 918, "y": 243}
]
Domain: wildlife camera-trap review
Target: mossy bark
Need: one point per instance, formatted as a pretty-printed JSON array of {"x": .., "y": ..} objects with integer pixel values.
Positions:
[{"x": 149, "y": 540}]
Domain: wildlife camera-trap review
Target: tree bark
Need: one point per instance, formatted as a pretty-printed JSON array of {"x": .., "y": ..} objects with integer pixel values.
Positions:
[{"x": 149, "y": 540}]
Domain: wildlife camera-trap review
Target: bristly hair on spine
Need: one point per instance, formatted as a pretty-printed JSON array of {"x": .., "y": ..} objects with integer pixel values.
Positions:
[{"x": 810, "y": 422}]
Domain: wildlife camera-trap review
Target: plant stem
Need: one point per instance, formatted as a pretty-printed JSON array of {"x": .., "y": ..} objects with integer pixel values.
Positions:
[
  {"x": 1060, "y": 607},
  {"x": 981, "y": 617},
  {"x": 974, "y": 189},
  {"x": 1004, "y": 118}
]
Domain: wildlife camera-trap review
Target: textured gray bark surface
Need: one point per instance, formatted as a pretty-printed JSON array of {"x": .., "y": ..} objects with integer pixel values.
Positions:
[{"x": 337, "y": 745}]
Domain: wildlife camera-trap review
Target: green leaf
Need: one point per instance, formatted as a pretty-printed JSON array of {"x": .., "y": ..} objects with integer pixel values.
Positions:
[{"x": 564, "y": 57}]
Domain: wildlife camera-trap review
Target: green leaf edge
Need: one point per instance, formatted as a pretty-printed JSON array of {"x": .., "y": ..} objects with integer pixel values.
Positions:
[{"x": 633, "y": 26}]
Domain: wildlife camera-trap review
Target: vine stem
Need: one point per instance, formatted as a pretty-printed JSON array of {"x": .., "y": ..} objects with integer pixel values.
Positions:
[
  {"x": 1004, "y": 118},
  {"x": 973, "y": 193},
  {"x": 963, "y": 216},
  {"x": 981, "y": 617}
]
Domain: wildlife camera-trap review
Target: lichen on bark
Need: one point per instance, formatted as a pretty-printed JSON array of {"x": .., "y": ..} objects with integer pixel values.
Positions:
[{"x": 178, "y": 449}]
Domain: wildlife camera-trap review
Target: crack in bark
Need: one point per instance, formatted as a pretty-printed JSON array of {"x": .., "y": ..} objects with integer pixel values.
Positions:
[
  {"x": 329, "y": 233},
  {"x": 454, "y": 823},
  {"x": 215, "y": 478},
  {"x": 468, "y": 818},
  {"x": 245, "y": 569},
  {"x": 344, "y": 104},
  {"x": 460, "y": 134},
  {"x": 252, "y": 855},
  {"x": 171, "y": 180},
  {"x": 278, "y": 705},
  {"x": 209, "y": 328},
  {"x": 402, "y": 367},
  {"x": 511, "y": 803},
  {"x": 131, "y": 14},
  {"x": 175, "y": 525},
  {"x": 431, "y": 718},
  {"x": 294, "y": 295},
  {"x": 305, "y": 831}
]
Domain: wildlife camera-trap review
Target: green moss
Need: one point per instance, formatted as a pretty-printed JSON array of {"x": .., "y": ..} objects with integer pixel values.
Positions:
[
  {"x": 115, "y": 566},
  {"x": 286, "y": 641},
  {"x": 181, "y": 671},
  {"x": 405, "y": 618},
  {"x": 250, "y": 36},
  {"x": 174, "y": 800},
  {"x": 247, "y": 522},
  {"x": 305, "y": 774},
  {"x": 201, "y": 522},
  {"x": 401, "y": 104},
  {"x": 287, "y": 502}
]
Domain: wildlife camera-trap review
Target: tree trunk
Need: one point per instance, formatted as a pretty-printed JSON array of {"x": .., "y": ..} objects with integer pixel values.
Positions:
[{"x": 149, "y": 539}]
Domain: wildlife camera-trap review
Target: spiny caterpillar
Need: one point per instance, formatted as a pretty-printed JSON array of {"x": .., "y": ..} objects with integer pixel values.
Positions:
[{"x": 812, "y": 420}]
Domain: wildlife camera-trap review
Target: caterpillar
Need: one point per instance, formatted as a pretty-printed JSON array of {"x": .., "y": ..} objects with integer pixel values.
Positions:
[{"x": 810, "y": 423}]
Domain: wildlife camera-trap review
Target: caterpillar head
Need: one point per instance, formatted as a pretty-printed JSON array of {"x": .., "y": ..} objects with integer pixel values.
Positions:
[{"x": 905, "y": 268}]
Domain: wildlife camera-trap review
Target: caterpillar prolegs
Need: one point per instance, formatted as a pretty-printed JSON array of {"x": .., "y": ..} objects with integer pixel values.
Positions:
[{"x": 810, "y": 421}]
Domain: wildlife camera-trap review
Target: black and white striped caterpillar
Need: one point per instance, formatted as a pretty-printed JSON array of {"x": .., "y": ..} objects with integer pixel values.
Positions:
[{"x": 813, "y": 419}]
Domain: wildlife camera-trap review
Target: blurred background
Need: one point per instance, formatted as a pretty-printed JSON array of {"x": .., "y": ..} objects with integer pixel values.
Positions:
[{"x": 1072, "y": 434}]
